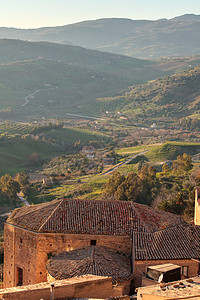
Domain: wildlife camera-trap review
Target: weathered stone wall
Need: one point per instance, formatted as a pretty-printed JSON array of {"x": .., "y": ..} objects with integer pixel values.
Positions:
[
  {"x": 53, "y": 243},
  {"x": 30, "y": 251},
  {"x": 125, "y": 287},
  {"x": 140, "y": 267},
  {"x": 20, "y": 248},
  {"x": 83, "y": 287},
  {"x": 9, "y": 249}
]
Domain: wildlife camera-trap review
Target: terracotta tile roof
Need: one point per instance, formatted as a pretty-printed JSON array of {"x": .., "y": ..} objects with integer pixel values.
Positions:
[
  {"x": 92, "y": 217},
  {"x": 176, "y": 242},
  {"x": 33, "y": 216},
  {"x": 92, "y": 260}
]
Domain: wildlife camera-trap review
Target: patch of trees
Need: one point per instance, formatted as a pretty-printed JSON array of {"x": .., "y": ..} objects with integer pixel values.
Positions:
[
  {"x": 180, "y": 166},
  {"x": 176, "y": 194},
  {"x": 133, "y": 187},
  {"x": 34, "y": 160},
  {"x": 171, "y": 190},
  {"x": 9, "y": 187}
]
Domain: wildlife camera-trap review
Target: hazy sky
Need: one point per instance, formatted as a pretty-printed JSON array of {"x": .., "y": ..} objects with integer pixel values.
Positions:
[{"x": 40, "y": 13}]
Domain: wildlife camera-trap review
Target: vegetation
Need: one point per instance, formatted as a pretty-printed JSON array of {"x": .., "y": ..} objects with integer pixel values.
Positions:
[
  {"x": 9, "y": 189},
  {"x": 171, "y": 190},
  {"x": 25, "y": 147},
  {"x": 50, "y": 80},
  {"x": 170, "y": 97},
  {"x": 137, "y": 188}
]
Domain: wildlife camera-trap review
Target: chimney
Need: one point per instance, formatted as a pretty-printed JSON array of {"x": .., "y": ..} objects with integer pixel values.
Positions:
[{"x": 197, "y": 208}]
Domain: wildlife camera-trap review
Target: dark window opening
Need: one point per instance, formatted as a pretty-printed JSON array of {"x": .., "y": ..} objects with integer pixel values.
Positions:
[
  {"x": 19, "y": 276},
  {"x": 93, "y": 242},
  {"x": 20, "y": 240}
]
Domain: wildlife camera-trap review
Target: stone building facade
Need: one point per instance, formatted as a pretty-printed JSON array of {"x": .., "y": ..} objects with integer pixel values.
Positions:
[{"x": 35, "y": 234}]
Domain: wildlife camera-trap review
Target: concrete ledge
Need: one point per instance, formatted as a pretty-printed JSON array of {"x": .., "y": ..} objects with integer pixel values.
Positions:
[{"x": 88, "y": 286}]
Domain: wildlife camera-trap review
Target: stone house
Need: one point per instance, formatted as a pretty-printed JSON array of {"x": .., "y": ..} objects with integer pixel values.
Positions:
[{"x": 106, "y": 238}]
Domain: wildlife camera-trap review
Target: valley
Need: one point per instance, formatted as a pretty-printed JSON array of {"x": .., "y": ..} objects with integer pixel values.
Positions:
[{"x": 72, "y": 118}]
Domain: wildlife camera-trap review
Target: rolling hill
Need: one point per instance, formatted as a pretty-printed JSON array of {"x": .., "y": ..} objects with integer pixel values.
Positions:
[
  {"x": 167, "y": 98},
  {"x": 48, "y": 79},
  {"x": 179, "y": 36}
]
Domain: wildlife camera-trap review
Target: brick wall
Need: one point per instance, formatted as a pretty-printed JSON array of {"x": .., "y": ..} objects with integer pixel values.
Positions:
[
  {"x": 29, "y": 251},
  {"x": 20, "y": 248}
]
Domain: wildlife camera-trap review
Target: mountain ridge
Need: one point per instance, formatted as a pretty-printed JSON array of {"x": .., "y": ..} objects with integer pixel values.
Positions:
[{"x": 179, "y": 36}]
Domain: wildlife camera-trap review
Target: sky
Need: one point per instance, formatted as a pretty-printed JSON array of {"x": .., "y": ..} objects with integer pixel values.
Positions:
[{"x": 43, "y": 13}]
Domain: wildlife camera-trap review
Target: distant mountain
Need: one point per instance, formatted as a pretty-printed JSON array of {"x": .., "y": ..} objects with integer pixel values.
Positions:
[
  {"x": 179, "y": 36},
  {"x": 165, "y": 99},
  {"x": 187, "y": 18}
]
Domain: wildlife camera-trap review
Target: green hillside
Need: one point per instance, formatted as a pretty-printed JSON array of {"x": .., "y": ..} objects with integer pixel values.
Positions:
[
  {"x": 17, "y": 50},
  {"x": 17, "y": 144},
  {"x": 93, "y": 186},
  {"x": 60, "y": 88},
  {"x": 164, "y": 99},
  {"x": 58, "y": 79}
]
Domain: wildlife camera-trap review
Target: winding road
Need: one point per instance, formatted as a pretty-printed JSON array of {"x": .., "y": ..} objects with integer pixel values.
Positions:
[
  {"x": 68, "y": 114},
  {"x": 30, "y": 95}
]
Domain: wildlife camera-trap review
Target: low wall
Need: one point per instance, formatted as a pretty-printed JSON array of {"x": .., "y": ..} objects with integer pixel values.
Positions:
[{"x": 88, "y": 286}]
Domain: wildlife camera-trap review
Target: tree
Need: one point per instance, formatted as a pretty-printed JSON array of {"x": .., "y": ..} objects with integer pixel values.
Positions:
[
  {"x": 114, "y": 181},
  {"x": 182, "y": 164},
  {"x": 174, "y": 205},
  {"x": 22, "y": 179},
  {"x": 34, "y": 159},
  {"x": 165, "y": 169},
  {"x": 9, "y": 187},
  {"x": 132, "y": 187}
]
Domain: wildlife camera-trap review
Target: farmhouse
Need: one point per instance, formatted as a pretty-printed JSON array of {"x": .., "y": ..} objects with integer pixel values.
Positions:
[{"x": 68, "y": 238}]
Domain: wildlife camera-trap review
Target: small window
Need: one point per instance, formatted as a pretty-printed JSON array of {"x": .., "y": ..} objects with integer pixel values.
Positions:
[
  {"x": 93, "y": 242},
  {"x": 19, "y": 276},
  {"x": 184, "y": 271},
  {"x": 20, "y": 240}
]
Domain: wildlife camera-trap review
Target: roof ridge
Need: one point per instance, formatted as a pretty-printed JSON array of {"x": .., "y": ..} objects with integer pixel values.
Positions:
[
  {"x": 50, "y": 215},
  {"x": 32, "y": 206},
  {"x": 93, "y": 200}
]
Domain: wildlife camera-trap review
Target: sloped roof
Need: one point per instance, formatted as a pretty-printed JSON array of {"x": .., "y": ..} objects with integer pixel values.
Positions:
[
  {"x": 176, "y": 242},
  {"x": 33, "y": 216},
  {"x": 92, "y": 217},
  {"x": 94, "y": 260}
]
